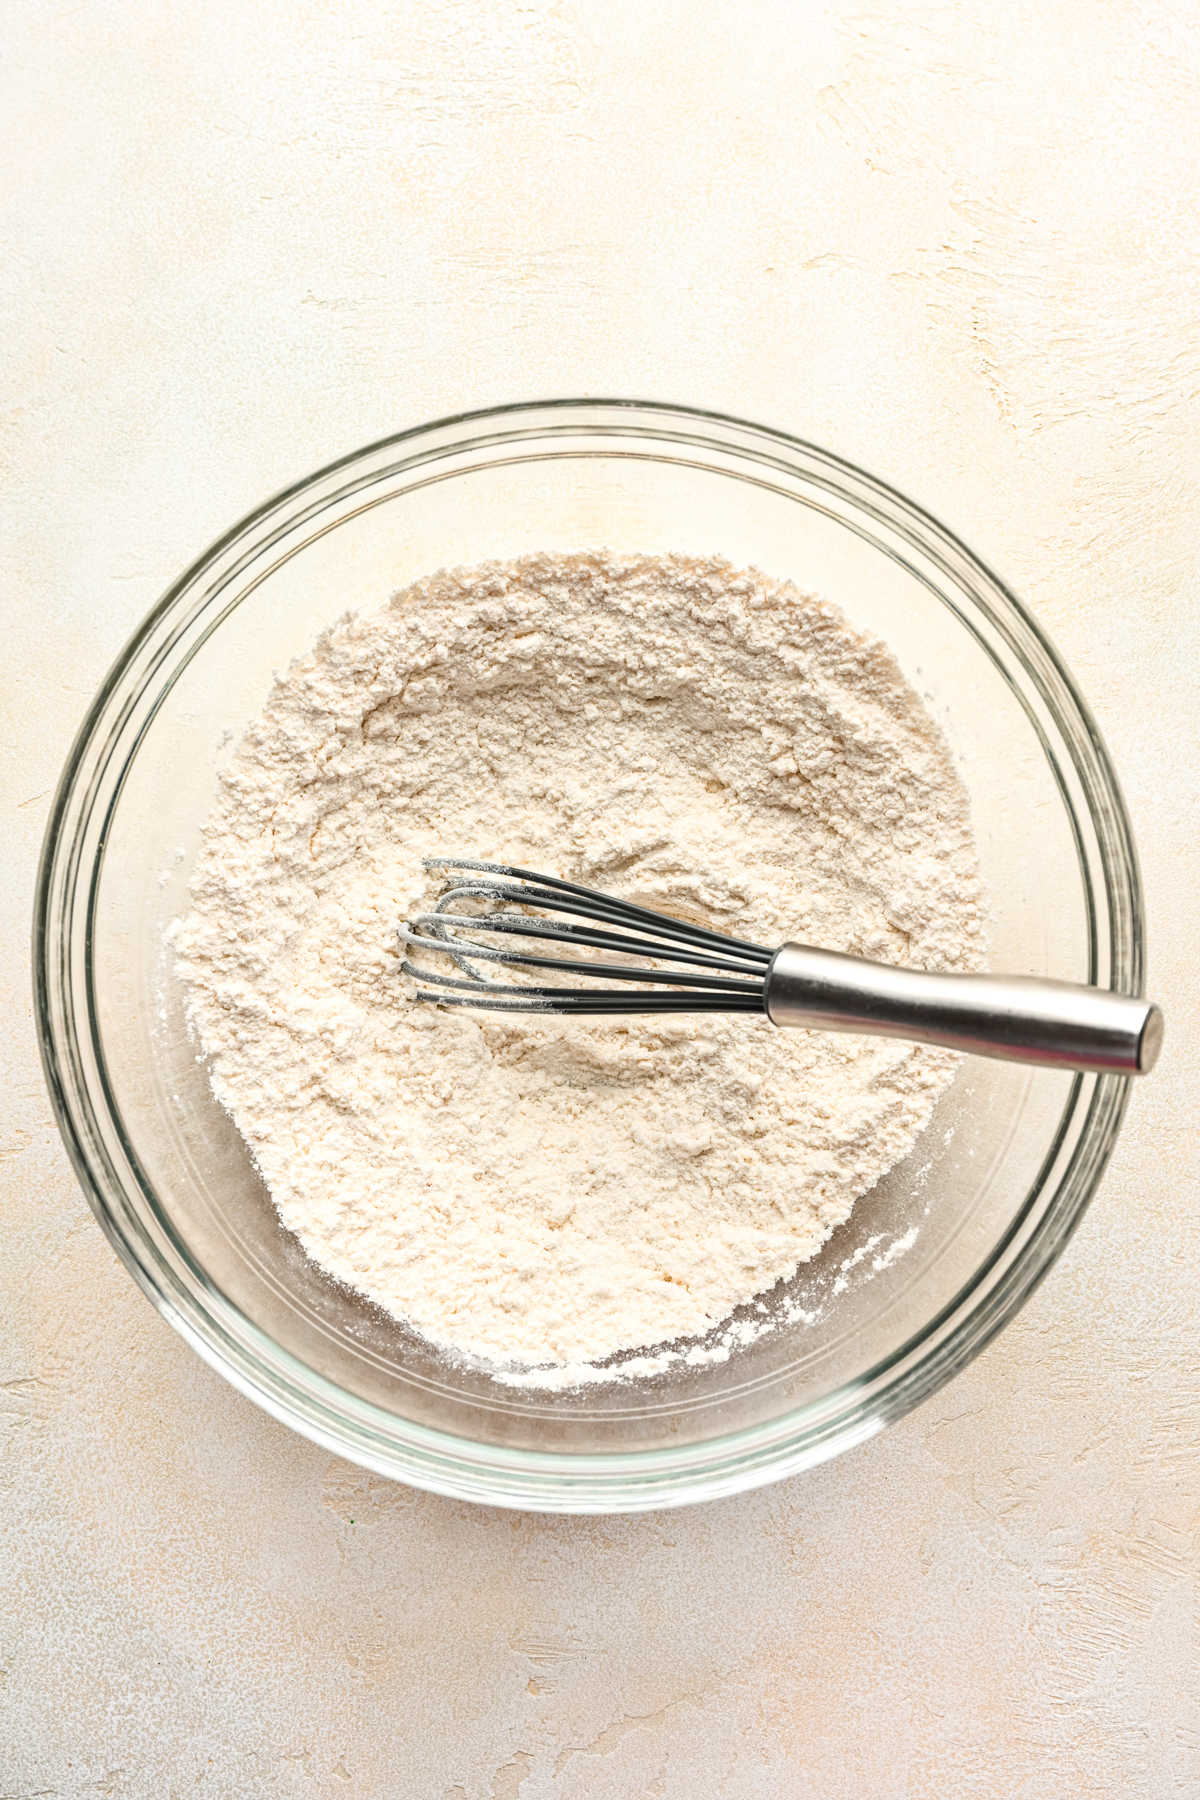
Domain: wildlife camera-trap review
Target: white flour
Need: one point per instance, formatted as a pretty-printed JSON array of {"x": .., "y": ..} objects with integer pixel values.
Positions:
[{"x": 694, "y": 737}]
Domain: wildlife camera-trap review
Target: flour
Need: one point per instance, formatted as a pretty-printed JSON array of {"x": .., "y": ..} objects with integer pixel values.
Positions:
[{"x": 700, "y": 739}]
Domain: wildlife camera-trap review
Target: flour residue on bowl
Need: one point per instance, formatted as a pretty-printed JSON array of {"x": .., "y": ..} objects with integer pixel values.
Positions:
[{"x": 545, "y": 1193}]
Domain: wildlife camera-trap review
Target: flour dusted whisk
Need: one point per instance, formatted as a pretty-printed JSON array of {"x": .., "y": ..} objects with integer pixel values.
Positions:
[{"x": 575, "y": 951}]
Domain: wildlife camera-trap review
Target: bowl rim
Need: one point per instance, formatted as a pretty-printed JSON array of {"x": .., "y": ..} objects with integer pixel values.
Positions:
[{"x": 438, "y": 1460}]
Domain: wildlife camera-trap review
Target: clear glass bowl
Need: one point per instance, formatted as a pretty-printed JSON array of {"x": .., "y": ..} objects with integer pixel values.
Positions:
[{"x": 995, "y": 1185}]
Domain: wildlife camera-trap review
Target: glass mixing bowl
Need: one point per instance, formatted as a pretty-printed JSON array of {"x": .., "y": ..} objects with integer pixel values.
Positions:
[{"x": 932, "y": 1262}]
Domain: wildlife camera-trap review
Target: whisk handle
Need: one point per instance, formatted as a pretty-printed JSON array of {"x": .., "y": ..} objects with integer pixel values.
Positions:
[{"x": 1019, "y": 1018}]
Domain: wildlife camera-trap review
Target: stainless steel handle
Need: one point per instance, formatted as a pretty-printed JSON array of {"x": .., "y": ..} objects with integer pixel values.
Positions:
[{"x": 1017, "y": 1017}]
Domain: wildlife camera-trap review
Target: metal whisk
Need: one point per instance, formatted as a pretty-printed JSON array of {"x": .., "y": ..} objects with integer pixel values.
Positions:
[{"x": 608, "y": 956}]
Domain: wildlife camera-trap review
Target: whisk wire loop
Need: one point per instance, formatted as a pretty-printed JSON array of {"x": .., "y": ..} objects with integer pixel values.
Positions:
[{"x": 702, "y": 970}]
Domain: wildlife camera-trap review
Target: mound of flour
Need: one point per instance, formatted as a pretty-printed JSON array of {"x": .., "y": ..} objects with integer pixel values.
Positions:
[{"x": 698, "y": 738}]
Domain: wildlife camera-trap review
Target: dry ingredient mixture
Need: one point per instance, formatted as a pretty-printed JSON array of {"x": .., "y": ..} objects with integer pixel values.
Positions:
[{"x": 695, "y": 737}]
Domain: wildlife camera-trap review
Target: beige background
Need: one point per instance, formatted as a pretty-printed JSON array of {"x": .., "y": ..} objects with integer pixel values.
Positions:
[{"x": 956, "y": 242}]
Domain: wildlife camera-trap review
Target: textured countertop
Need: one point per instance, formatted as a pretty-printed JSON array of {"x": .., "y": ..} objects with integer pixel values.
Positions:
[{"x": 955, "y": 242}]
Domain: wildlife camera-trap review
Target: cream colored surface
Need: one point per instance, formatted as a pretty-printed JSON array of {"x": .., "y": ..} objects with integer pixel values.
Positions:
[{"x": 956, "y": 242}]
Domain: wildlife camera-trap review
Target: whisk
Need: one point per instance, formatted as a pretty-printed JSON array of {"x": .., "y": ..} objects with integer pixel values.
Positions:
[{"x": 608, "y": 956}]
